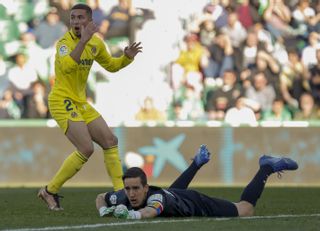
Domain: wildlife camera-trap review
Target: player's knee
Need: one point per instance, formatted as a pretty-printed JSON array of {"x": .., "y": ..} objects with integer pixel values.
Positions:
[
  {"x": 87, "y": 149},
  {"x": 108, "y": 142},
  {"x": 245, "y": 209},
  {"x": 112, "y": 141},
  {"x": 248, "y": 212}
]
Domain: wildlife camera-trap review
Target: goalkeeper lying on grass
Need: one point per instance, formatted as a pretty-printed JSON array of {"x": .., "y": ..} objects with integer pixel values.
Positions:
[{"x": 139, "y": 200}]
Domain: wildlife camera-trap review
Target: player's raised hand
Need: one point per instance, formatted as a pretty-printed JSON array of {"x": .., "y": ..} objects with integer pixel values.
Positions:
[
  {"x": 132, "y": 50},
  {"x": 88, "y": 30}
]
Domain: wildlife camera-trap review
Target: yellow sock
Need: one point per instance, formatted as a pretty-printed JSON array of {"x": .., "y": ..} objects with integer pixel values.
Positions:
[
  {"x": 71, "y": 165},
  {"x": 114, "y": 167}
]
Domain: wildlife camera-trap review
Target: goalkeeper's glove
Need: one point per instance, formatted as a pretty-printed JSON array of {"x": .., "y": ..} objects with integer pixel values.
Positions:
[
  {"x": 105, "y": 211},
  {"x": 121, "y": 211}
]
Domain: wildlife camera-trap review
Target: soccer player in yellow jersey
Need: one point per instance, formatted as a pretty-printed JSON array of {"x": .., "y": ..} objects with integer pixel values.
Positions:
[{"x": 81, "y": 123}]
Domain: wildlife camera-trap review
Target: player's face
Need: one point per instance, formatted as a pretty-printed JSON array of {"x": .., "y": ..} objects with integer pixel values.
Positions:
[
  {"x": 78, "y": 18},
  {"x": 135, "y": 191}
]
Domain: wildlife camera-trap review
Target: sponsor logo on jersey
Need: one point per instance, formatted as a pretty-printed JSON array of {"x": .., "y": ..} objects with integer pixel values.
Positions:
[
  {"x": 63, "y": 50},
  {"x": 86, "y": 62},
  {"x": 113, "y": 199}
]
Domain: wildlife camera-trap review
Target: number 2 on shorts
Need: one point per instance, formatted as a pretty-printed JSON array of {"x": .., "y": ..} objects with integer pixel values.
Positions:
[{"x": 68, "y": 104}]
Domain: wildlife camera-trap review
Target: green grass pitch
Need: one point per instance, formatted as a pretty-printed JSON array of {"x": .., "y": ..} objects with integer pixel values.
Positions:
[{"x": 279, "y": 208}]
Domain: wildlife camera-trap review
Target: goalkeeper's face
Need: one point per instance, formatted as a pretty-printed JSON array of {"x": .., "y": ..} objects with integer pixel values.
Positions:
[{"x": 135, "y": 191}]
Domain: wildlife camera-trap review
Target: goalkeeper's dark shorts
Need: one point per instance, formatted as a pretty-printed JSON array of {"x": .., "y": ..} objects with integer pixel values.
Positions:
[
  {"x": 186, "y": 202},
  {"x": 215, "y": 207}
]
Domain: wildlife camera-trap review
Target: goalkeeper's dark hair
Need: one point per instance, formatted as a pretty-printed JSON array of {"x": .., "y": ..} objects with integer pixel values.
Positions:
[
  {"x": 136, "y": 172},
  {"x": 83, "y": 6}
]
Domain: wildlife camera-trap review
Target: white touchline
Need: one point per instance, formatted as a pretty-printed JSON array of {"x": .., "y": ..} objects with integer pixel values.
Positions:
[{"x": 92, "y": 226}]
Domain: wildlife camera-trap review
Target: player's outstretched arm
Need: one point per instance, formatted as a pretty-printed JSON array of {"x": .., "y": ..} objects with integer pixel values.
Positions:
[
  {"x": 114, "y": 64},
  {"x": 102, "y": 206},
  {"x": 121, "y": 211},
  {"x": 148, "y": 212}
]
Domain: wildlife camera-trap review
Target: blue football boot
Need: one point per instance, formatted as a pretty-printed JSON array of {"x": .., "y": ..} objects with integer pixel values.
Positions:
[
  {"x": 202, "y": 156},
  {"x": 278, "y": 164}
]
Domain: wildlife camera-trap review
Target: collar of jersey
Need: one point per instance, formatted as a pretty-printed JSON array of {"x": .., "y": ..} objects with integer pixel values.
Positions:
[{"x": 73, "y": 36}]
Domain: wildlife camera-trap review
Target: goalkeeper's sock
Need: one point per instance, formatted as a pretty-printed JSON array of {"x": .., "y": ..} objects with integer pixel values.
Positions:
[
  {"x": 183, "y": 181},
  {"x": 114, "y": 167},
  {"x": 69, "y": 168},
  {"x": 254, "y": 189}
]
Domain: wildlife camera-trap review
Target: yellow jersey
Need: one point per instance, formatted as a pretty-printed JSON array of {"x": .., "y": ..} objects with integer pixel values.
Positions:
[{"x": 71, "y": 77}]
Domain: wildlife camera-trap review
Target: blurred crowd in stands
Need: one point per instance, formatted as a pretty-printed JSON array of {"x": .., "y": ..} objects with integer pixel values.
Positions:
[{"x": 234, "y": 61}]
